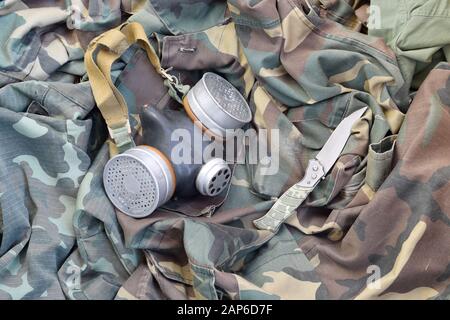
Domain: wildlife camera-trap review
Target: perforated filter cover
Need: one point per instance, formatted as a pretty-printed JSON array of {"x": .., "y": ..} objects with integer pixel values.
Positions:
[
  {"x": 228, "y": 98},
  {"x": 130, "y": 186},
  {"x": 213, "y": 177}
]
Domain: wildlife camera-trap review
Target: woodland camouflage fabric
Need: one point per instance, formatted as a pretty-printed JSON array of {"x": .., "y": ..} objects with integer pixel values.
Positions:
[{"x": 378, "y": 226}]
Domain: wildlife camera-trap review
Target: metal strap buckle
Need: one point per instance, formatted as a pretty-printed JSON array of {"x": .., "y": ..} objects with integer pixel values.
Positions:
[
  {"x": 122, "y": 135},
  {"x": 165, "y": 74}
]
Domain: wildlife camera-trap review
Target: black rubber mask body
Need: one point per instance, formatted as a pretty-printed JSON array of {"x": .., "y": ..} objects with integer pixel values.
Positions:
[{"x": 158, "y": 127}]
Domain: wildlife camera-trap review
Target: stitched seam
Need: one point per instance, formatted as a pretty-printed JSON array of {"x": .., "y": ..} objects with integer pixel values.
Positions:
[
  {"x": 239, "y": 20},
  {"x": 431, "y": 17},
  {"x": 85, "y": 107},
  {"x": 247, "y": 247},
  {"x": 44, "y": 97},
  {"x": 272, "y": 259},
  {"x": 355, "y": 42},
  {"x": 6, "y": 75}
]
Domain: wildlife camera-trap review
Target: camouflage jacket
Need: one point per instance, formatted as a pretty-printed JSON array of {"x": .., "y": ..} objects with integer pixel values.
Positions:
[{"x": 376, "y": 228}]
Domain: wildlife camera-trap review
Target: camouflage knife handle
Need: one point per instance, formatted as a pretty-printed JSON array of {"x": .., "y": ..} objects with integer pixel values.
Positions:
[{"x": 287, "y": 204}]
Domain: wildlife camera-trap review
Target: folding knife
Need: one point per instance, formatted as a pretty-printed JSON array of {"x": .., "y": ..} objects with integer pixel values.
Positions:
[{"x": 317, "y": 169}]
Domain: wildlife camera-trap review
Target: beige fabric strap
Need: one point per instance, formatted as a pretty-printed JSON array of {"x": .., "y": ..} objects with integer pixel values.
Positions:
[{"x": 99, "y": 57}]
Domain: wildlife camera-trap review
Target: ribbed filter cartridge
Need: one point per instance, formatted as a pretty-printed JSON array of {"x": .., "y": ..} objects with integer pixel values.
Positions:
[{"x": 217, "y": 105}]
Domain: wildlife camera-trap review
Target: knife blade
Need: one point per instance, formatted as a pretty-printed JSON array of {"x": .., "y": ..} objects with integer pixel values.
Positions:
[{"x": 317, "y": 169}]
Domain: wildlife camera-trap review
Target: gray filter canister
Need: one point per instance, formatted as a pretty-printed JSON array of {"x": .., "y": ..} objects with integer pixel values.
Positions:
[
  {"x": 217, "y": 105},
  {"x": 139, "y": 180},
  {"x": 213, "y": 177}
]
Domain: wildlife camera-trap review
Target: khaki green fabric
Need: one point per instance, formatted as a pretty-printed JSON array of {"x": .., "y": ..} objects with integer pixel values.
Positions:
[{"x": 414, "y": 29}]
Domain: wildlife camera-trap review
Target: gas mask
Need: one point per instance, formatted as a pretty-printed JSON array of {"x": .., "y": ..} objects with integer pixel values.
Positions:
[{"x": 143, "y": 178}]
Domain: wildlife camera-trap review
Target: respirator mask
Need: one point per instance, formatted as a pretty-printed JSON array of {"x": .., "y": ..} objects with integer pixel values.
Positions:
[{"x": 143, "y": 178}]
